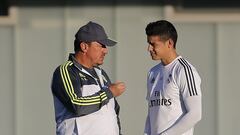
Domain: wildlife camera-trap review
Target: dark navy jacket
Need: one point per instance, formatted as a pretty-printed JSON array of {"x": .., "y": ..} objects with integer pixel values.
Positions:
[{"x": 78, "y": 93}]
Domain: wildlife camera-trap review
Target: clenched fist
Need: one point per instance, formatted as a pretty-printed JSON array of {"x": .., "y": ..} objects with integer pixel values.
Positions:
[{"x": 117, "y": 88}]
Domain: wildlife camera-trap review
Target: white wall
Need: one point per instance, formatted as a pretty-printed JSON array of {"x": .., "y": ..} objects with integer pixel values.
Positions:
[
  {"x": 228, "y": 79},
  {"x": 41, "y": 38},
  {"x": 7, "y": 81},
  {"x": 39, "y": 49}
]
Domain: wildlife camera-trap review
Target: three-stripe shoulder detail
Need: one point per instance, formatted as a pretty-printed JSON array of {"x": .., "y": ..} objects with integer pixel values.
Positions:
[
  {"x": 91, "y": 100},
  {"x": 189, "y": 76}
]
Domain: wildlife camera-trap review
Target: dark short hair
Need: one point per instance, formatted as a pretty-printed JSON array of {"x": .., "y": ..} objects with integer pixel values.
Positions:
[{"x": 162, "y": 28}]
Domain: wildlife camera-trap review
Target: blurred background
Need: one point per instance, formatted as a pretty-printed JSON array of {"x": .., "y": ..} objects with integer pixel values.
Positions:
[{"x": 37, "y": 36}]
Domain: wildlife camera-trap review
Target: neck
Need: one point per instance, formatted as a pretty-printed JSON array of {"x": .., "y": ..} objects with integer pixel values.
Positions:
[{"x": 169, "y": 58}]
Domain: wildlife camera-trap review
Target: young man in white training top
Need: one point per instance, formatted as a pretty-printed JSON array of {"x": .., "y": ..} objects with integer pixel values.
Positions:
[{"x": 173, "y": 85}]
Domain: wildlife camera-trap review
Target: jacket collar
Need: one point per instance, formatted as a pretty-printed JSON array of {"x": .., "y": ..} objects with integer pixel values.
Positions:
[
  {"x": 73, "y": 59},
  {"x": 80, "y": 67}
]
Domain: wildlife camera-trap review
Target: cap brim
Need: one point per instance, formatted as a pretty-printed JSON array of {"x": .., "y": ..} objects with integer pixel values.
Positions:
[{"x": 108, "y": 42}]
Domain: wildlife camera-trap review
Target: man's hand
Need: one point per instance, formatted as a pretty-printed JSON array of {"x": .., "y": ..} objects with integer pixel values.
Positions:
[{"x": 117, "y": 88}]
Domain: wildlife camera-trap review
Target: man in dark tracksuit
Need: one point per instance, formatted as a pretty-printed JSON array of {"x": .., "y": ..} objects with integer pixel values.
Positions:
[{"x": 84, "y": 97}]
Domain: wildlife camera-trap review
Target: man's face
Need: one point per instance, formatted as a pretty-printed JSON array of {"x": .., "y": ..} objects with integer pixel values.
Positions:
[
  {"x": 157, "y": 48},
  {"x": 96, "y": 53}
]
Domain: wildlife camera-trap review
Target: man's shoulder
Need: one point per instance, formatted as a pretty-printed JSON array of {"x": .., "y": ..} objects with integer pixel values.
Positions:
[
  {"x": 184, "y": 65},
  {"x": 67, "y": 63},
  {"x": 155, "y": 68},
  {"x": 64, "y": 66}
]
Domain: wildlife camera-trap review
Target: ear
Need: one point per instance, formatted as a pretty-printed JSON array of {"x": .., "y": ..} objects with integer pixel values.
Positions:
[
  {"x": 83, "y": 47},
  {"x": 170, "y": 43}
]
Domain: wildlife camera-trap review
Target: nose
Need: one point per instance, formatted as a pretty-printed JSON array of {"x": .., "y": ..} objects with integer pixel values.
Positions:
[{"x": 105, "y": 50}]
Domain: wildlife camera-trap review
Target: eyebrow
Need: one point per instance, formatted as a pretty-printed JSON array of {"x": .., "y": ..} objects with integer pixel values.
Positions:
[{"x": 104, "y": 46}]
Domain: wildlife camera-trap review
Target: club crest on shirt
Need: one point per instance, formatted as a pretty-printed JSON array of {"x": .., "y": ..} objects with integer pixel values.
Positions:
[{"x": 83, "y": 77}]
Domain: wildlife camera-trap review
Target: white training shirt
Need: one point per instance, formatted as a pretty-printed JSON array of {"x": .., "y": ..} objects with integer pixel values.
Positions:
[{"x": 174, "y": 99}]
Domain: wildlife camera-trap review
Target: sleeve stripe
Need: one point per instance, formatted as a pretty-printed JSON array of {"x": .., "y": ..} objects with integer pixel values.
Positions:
[
  {"x": 187, "y": 76},
  {"x": 190, "y": 77},
  {"x": 194, "y": 85},
  {"x": 70, "y": 91},
  {"x": 64, "y": 82},
  {"x": 66, "y": 77},
  {"x": 101, "y": 95}
]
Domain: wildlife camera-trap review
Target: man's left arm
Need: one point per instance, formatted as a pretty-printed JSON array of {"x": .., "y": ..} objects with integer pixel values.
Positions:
[
  {"x": 189, "y": 83},
  {"x": 193, "y": 115}
]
